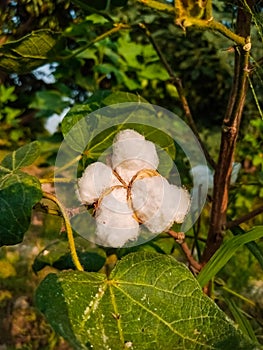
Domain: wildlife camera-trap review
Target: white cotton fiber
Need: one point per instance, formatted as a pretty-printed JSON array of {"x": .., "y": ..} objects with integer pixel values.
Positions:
[
  {"x": 115, "y": 222},
  {"x": 159, "y": 204},
  {"x": 131, "y": 153},
  {"x": 234, "y": 174},
  {"x": 202, "y": 175},
  {"x": 96, "y": 178}
]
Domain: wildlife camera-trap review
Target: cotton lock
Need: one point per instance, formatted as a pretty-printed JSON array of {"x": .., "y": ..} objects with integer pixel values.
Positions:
[{"x": 131, "y": 192}]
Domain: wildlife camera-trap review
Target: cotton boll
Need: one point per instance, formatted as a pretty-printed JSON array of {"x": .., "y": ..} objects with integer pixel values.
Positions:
[
  {"x": 202, "y": 175},
  {"x": 158, "y": 204},
  {"x": 96, "y": 178},
  {"x": 115, "y": 222},
  {"x": 131, "y": 153},
  {"x": 235, "y": 170}
]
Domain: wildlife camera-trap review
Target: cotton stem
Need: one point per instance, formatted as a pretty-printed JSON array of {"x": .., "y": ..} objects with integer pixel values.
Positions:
[{"x": 72, "y": 247}]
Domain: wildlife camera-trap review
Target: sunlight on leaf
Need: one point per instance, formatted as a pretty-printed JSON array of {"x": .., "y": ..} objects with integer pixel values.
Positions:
[{"x": 149, "y": 301}]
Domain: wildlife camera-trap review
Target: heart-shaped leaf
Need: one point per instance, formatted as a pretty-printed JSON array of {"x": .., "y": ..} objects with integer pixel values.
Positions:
[
  {"x": 18, "y": 193},
  {"x": 150, "y": 301},
  {"x": 22, "y": 157}
]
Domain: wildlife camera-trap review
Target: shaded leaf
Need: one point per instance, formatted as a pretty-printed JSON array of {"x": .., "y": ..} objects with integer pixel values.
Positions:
[
  {"x": 163, "y": 244},
  {"x": 241, "y": 319},
  {"x": 252, "y": 246},
  {"x": 150, "y": 301},
  {"x": 50, "y": 101},
  {"x": 18, "y": 193},
  {"x": 225, "y": 252},
  {"x": 31, "y": 51},
  {"x": 89, "y": 5},
  {"x": 57, "y": 254},
  {"x": 86, "y": 135},
  {"x": 22, "y": 157}
]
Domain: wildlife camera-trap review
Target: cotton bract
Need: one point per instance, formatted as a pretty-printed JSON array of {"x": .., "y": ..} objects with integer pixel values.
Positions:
[{"x": 131, "y": 193}]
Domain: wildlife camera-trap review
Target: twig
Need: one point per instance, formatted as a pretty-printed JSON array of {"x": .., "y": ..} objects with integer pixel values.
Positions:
[
  {"x": 72, "y": 247},
  {"x": 200, "y": 23},
  {"x": 244, "y": 218},
  {"x": 179, "y": 237},
  {"x": 178, "y": 84}
]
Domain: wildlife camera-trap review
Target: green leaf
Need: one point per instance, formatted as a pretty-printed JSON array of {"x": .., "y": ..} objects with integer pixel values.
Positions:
[
  {"x": 57, "y": 254},
  {"x": 252, "y": 246},
  {"x": 22, "y": 157},
  {"x": 154, "y": 71},
  {"x": 50, "y": 101},
  {"x": 241, "y": 320},
  {"x": 31, "y": 51},
  {"x": 18, "y": 193},
  {"x": 150, "y": 301},
  {"x": 225, "y": 252},
  {"x": 86, "y": 125}
]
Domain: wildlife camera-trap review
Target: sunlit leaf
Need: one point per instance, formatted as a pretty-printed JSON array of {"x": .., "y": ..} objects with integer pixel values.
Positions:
[
  {"x": 150, "y": 301},
  {"x": 22, "y": 157},
  {"x": 31, "y": 51}
]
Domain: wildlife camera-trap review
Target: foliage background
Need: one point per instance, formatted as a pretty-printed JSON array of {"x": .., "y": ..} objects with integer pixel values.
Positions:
[{"x": 124, "y": 60}]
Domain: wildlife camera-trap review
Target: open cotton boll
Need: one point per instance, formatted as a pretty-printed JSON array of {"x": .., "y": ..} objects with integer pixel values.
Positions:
[
  {"x": 202, "y": 175},
  {"x": 96, "y": 178},
  {"x": 132, "y": 153},
  {"x": 115, "y": 222},
  {"x": 158, "y": 204},
  {"x": 234, "y": 174}
]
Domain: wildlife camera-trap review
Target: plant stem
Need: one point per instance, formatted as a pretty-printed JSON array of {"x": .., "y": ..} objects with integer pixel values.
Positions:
[
  {"x": 72, "y": 247},
  {"x": 179, "y": 237},
  {"x": 229, "y": 136},
  {"x": 244, "y": 218},
  {"x": 209, "y": 23},
  {"x": 55, "y": 180}
]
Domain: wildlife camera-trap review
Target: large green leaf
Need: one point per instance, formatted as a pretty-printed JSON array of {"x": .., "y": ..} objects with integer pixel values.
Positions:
[
  {"x": 150, "y": 301},
  {"x": 18, "y": 193},
  {"x": 225, "y": 252},
  {"x": 31, "y": 51},
  {"x": 22, "y": 157}
]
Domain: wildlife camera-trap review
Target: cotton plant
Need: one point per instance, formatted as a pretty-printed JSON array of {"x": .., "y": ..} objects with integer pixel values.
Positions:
[
  {"x": 202, "y": 174},
  {"x": 131, "y": 192}
]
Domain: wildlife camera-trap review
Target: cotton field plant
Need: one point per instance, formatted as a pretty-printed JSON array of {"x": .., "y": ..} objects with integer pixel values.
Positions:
[{"x": 158, "y": 221}]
